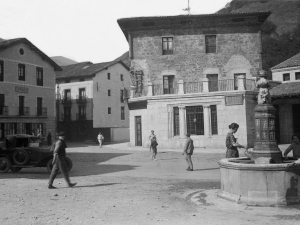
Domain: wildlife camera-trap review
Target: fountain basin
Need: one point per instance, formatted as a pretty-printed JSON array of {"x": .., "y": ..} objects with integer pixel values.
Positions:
[{"x": 244, "y": 182}]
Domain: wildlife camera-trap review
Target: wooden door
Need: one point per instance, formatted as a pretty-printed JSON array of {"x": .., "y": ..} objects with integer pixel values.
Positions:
[{"x": 138, "y": 131}]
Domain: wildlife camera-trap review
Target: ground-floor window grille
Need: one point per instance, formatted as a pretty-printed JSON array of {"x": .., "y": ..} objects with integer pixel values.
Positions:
[
  {"x": 214, "y": 119},
  {"x": 34, "y": 128},
  {"x": 10, "y": 128},
  {"x": 195, "y": 120},
  {"x": 176, "y": 120}
]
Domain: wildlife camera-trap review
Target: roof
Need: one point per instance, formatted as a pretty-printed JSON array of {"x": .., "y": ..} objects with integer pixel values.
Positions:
[
  {"x": 286, "y": 89},
  {"x": 4, "y": 44},
  {"x": 85, "y": 69},
  {"x": 291, "y": 62},
  {"x": 192, "y": 21}
]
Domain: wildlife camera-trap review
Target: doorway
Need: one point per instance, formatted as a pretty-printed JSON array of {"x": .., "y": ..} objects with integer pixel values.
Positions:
[
  {"x": 138, "y": 131},
  {"x": 296, "y": 116},
  {"x": 212, "y": 82}
]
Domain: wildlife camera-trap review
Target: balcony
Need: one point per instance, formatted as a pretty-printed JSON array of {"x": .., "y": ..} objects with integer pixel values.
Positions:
[
  {"x": 81, "y": 99},
  {"x": 41, "y": 111},
  {"x": 23, "y": 111},
  {"x": 80, "y": 116},
  {"x": 66, "y": 100},
  {"x": 204, "y": 86},
  {"x": 3, "y": 110},
  {"x": 66, "y": 117}
]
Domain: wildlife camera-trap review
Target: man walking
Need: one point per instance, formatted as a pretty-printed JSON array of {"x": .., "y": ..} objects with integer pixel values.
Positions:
[
  {"x": 59, "y": 162},
  {"x": 188, "y": 152},
  {"x": 100, "y": 139}
]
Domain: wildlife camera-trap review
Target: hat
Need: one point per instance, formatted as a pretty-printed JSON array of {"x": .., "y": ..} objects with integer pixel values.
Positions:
[{"x": 62, "y": 133}]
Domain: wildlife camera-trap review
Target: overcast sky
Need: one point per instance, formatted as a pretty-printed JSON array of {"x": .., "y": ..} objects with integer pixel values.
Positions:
[{"x": 85, "y": 30}]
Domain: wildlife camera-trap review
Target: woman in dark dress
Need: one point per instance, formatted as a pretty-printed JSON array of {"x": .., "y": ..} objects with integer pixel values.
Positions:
[{"x": 231, "y": 143}]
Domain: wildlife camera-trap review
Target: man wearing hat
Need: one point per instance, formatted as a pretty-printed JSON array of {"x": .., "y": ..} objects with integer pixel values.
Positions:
[{"x": 59, "y": 162}]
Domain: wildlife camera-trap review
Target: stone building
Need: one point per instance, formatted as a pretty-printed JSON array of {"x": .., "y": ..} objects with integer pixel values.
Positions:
[
  {"x": 91, "y": 99},
  {"x": 193, "y": 74},
  {"x": 286, "y": 98},
  {"x": 27, "y": 89}
]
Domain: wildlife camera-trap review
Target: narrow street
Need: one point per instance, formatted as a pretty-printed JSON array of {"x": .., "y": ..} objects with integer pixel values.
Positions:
[{"x": 118, "y": 186}]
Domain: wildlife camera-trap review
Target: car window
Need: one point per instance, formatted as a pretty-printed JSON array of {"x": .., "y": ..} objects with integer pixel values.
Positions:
[
  {"x": 22, "y": 142},
  {"x": 34, "y": 142}
]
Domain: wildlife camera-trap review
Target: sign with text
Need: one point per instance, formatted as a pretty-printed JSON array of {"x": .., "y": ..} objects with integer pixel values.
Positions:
[
  {"x": 21, "y": 89},
  {"x": 234, "y": 100}
]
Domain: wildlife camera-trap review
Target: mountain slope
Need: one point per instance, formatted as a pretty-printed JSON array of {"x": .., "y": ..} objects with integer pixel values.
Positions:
[{"x": 285, "y": 13}]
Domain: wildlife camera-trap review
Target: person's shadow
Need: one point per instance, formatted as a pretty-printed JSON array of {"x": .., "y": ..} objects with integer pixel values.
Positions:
[{"x": 94, "y": 185}]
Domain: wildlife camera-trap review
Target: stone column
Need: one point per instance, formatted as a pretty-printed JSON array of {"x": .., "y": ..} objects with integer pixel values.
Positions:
[
  {"x": 207, "y": 121},
  {"x": 182, "y": 121},
  {"x": 150, "y": 89},
  {"x": 180, "y": 87},
  {"x": 241, "y": 83},
  {"x": 132, "y": 90},
  {"x": 205, "y": 84}
]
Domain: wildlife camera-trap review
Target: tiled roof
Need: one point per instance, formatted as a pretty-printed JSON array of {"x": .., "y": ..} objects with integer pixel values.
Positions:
[
  {"x": 84, "y": 69},
  {"x": 286, "y": 89},
  {"x": 10, "y": 42},
  {"x": 291, "y": 62}
]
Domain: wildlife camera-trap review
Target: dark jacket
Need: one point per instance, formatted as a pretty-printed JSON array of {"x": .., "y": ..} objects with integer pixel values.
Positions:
[{"x": 189, "y": 146}]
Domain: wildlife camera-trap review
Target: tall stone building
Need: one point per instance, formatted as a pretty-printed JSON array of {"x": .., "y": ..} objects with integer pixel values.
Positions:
[
  {"x": 193, "y": 74},
  {"x": 27, "y": 89}
]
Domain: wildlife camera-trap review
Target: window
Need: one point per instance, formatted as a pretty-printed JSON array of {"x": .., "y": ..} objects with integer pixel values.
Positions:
[
  {"x": 214, "y": 120},
  {"x": 212, "y": 82},
  {"x": 81, "y": 93},
  {"x": 21, "y": 105},
  {"x": 109, "y": 93},
  {"x": 194, "y": 120},
  {"x": 210, "y": 43},
  {"x": 286, "y": 76},
  {"x": 21, "y": 72},
  {"x": 176, "y": 121},
  {"x": 168, "y": 83},
  {"x": 67, "y": 113},
  {"x": 109, "y": 110},
  {"x": 167, "y": 46},
  {"x": 2, "y": 104},
  {"x": 122, "y": 95},
  {"x": 1, "y": 71},
  {"x": 39, "y": 106},
  {"x": 236, "y": 80},
  {"x": 122, "y": 113},
  {"x": 297, "y": 75},
  {"x": 39, "y": 76},
  {"x": 121, "y": 77},
  {"x": 81, "y": 113},
  {"x": 108, "y": 76},
  {"x": 67, "y": 81}
]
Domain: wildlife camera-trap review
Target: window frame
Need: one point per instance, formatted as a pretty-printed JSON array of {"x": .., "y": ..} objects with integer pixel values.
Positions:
[
  {"x": 297, "y": 74},
  {"x": 195, "y": 113},
  {"x": 122, "y": 113},
  {"x": 122, "y": 95},
  {"x": 121, "y": 77},
  {"x": 169, "y": 84},
  {"x": 1, "y": 70},
  {"x": 209, "y": 45},
  {"x": 176, "y": 127},
  {"x": 108, "y": 92},
  {"x": 109, "y": 110},
  {"x": 167, "y": 49},
  {"x": 39, "y": 106},
  {"x": 108, "y": 76},
  {"x": 21, "y": 72},
  {"x": 39, "y": 76},
  {"x": 284, "y": 76},
  {"x": 214, "y": 119}
]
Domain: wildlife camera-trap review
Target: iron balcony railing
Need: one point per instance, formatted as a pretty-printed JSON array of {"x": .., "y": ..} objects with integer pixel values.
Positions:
[
  {"x": 163, "y": 90},
  {"x": 193, "y": 87},
  {"x": 66, "y": 117},
  {"x": 3, "y": 110},
  {"x": 80, "y": 116},
  {"x": 67, "y": 100},
  {"x": 41, "y": 111},
  {"x": 23, "y": 111},
  {"x": 81, "y": 99}
]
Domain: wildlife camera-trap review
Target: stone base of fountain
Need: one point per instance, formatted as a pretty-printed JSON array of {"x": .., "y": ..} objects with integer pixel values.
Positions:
[{"x": 244, "y": 182}]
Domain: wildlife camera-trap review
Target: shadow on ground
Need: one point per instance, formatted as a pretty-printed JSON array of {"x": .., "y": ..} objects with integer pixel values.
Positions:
[{"x": 84, "y": 164}]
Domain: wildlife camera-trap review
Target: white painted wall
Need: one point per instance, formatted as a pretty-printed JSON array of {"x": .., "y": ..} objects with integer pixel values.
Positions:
[{"x": 278, "y": 74}]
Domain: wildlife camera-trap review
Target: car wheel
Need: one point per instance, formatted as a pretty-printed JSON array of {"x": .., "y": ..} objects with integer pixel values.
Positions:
[
  {"x": 4, "y": 164},
  {"x": 20, "y": 157},
  {"x": 15, "y": 169},
  {"x": 69, "y": 164}
]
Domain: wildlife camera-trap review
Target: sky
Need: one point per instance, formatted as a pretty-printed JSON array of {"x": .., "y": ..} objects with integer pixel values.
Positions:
[{"x": 86, "y": 30}]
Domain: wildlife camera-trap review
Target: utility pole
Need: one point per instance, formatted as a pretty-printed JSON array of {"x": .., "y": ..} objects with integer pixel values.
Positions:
[{"x": 188, "y": 9}]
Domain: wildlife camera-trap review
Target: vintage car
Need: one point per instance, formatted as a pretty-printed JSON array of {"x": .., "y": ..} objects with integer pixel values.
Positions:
[{"x": 25, "y": 151}]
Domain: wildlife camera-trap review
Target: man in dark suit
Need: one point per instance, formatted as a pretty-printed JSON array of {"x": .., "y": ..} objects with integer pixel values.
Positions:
[
  {"x": 188, "y": 152},
  {"x": 59, "y": 161}
]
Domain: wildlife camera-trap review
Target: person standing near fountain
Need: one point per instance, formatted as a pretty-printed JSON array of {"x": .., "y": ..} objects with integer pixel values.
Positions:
[
  {"x": 231, "y": 142},
  {"x": 294, "y": 146}
]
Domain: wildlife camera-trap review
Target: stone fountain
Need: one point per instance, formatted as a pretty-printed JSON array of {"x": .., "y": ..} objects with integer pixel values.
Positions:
[{"x": 264, "y": 178}]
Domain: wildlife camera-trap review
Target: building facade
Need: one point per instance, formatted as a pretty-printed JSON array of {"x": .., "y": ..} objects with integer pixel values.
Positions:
[
  {"x": 193, "y": 74},
  {"x": 27, "y": 89},
  {"x": 286, "y": 98},
  {"x": 90, "y": 99}
]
